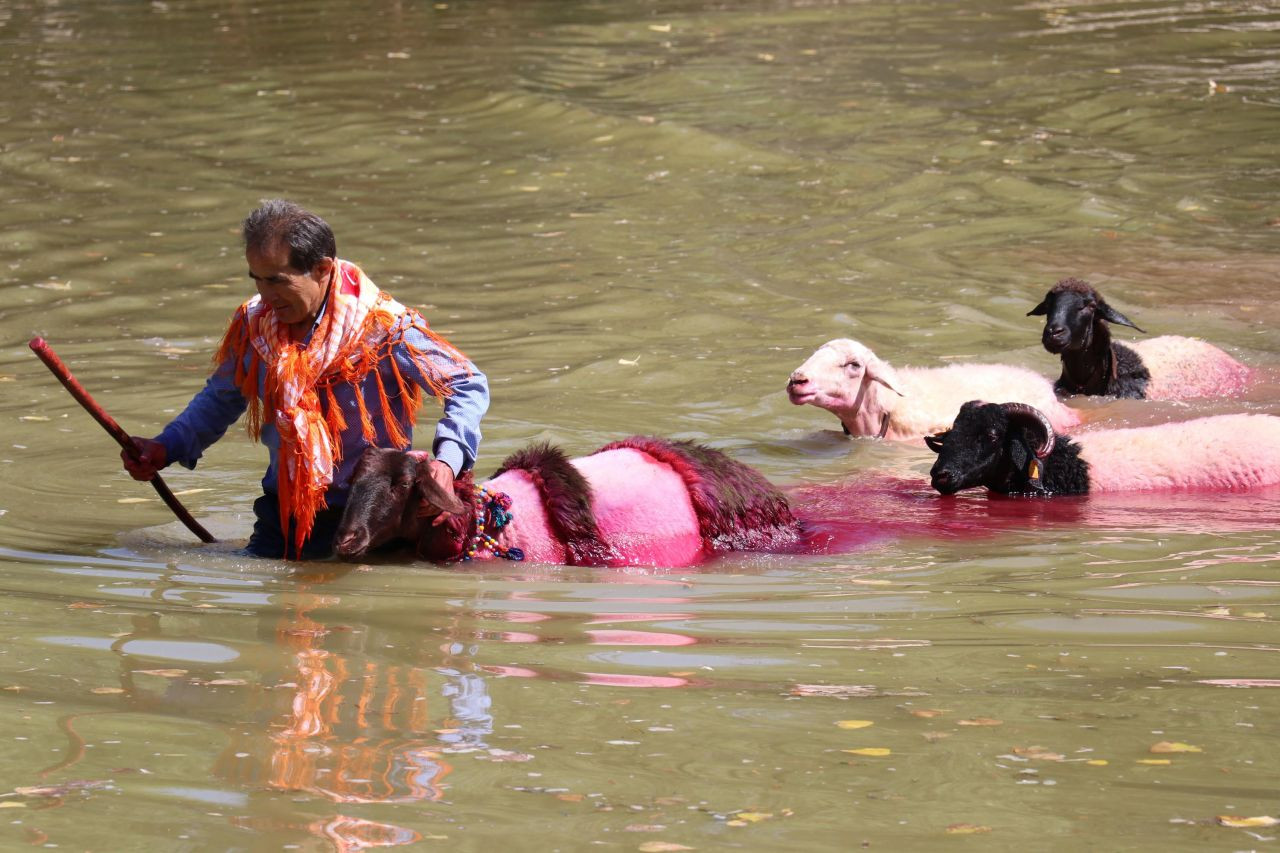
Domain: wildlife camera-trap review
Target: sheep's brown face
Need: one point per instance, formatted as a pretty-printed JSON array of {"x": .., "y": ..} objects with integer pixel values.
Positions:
[{"x": 379, "y": 503}]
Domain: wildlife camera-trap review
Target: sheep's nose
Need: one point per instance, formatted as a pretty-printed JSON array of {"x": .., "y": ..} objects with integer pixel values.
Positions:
[
  {"x": 350, "y": 545},
  {"x": 943, "y": 481},
  {"x": 797, "y": 380},
  {"x": 1055, "y": 338}
]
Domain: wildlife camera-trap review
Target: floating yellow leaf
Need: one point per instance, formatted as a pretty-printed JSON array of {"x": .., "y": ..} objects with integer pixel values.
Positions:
[
  {"x": 966, "y": 829},
  {"x": 1166, "y": 746},
  {"x": 36, "y": 418},
  {"x": 854, "y": 724},
  {"x": 1158, "y": 761},
  {"x": 870, "y": 751},
  {"x": 753, "y": 817},
  {"x": 1247, "y": 822},
  {"x": 571, "y": 798},
  {"x": 133, "y": 500},
  {"x": 1097, "y": 762},
  {"x": 662, "y": 847},
  {"x": 980, "y": 721},
  {"x": 107, "y": 690},
  {"x": 660, "y": 28},
  {"x": 926, "y": 713},
  {"x": 163, "y": 673}
]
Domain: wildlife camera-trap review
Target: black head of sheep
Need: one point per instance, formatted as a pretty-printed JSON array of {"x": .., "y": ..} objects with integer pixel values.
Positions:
[
  {"x": 1075, "y": 328},
  {"x": 1074, "y": 314},
  {"x": 1006, "y": 447}
]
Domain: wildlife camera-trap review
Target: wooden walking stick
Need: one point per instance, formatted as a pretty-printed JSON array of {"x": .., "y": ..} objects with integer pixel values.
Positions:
[{"x": 51, "y": 361}]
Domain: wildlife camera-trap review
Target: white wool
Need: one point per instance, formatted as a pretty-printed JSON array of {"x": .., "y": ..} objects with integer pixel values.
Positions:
[
  {"x": 919, "y": 400},
  {"x": 935, "y": 395},
  {"x": 1227, "y": 452}
]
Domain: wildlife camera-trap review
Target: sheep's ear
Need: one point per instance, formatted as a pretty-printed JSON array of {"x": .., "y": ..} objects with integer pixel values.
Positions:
[
  {"x": 1041, "y": 309},
  {"x": 435, "y": 496},
  {"x": 1019, "y": 453},
  {"x": 877, "y": 371},
  {"x": 935, "y": 442},
  {"x": 1111, "y": 315}
]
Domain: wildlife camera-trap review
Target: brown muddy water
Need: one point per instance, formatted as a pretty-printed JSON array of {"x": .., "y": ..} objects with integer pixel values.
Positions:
[{"x": 639, "y": 217}]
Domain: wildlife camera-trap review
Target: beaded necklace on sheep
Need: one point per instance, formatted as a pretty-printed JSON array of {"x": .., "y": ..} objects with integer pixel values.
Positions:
[{"x": 493, "y": 510}]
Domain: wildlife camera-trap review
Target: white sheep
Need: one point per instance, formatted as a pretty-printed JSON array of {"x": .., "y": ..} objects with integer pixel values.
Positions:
[
  {"x": 870, "y": 397},
  {"x": 1011, "y": 448}
]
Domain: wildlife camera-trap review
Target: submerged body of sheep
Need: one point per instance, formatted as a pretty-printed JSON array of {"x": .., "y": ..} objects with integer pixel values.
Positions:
[{"x": 638, "y": 502}]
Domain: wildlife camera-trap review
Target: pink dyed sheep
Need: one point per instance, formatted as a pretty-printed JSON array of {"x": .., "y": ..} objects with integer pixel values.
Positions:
[
  {"x": 641, "y": 501},
  {"x": 1169, "y": 367},
  {"x": 872, "y": 398},
  {"x": 1011, "y": 448}
]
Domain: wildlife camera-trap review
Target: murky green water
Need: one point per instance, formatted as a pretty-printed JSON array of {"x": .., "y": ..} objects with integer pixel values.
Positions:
[{"x": 637, "y": 217}]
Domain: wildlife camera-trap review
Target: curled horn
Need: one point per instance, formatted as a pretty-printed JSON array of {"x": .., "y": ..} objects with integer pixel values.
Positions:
[{"x": 1033, "y": 417}]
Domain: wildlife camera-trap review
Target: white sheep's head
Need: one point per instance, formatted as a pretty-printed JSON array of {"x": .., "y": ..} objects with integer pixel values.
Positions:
[{"x": 834, "y": 378}]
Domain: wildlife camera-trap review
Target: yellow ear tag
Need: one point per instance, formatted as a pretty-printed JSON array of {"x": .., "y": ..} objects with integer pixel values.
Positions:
[{"x": 1033, "y": 470}]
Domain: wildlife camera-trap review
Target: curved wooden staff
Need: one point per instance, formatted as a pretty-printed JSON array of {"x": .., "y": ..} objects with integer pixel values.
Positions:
[{"x": 51, "y": 361}]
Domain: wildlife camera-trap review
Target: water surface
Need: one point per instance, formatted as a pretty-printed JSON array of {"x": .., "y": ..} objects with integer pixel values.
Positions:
[{"x": 639, "y": 217}]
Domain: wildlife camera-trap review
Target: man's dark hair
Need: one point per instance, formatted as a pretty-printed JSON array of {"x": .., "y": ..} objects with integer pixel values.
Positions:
[{"x": 277, "y": 221}]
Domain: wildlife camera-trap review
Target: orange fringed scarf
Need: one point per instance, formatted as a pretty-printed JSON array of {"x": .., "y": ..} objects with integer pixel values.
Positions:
[{"x": 360, "y": 328}]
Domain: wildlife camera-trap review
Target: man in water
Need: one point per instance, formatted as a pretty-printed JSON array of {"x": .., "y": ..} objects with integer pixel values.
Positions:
[{"x": 327, "y": 365}]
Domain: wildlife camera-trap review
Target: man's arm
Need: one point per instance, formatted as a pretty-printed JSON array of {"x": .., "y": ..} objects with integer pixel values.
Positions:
[
  {"x": 205, "y": 420},
  {"x": 457, "y": 436}
]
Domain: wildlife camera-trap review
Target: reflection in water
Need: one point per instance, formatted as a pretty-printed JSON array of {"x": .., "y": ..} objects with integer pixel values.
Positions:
[
  {"x": 357, "y": 737},
  {"x": 858, "y": 512},
  {"x": 350, "y": 730}
]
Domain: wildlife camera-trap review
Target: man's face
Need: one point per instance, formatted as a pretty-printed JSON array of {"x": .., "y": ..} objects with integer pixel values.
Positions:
[{"x": 295, "y": 296}]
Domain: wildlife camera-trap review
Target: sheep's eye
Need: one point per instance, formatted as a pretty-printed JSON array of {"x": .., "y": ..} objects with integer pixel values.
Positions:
[
  {"x": 992, "y": 436},
  {"x": 853, "y": 365}
]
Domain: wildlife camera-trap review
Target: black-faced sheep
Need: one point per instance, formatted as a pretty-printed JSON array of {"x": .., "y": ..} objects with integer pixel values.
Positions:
[
  {"x": 641, "y": 501},
  {"x": 1169, "y": 367},
  {"x": 872, "y": 398},
  {"x": 1011, "y": 448}
]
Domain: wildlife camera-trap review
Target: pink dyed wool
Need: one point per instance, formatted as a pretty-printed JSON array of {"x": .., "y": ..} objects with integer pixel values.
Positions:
[{"x": 1223, "y": 453}]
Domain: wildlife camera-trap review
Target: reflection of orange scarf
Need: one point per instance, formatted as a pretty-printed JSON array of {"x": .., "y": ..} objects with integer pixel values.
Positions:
[{"x": 360, "y": 328}]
